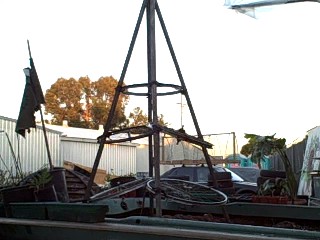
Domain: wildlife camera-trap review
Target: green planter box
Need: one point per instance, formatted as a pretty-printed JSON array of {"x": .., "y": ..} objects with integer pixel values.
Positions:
[
  {"x": 29, "y": 210},
  {"x": 77, "y": 212},
  {"x": 2, "y": 212}
]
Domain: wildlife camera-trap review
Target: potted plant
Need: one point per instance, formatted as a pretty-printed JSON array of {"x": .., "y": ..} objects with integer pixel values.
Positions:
[
  {"x": 274, "y": 191},
  {"x": 260, "y": 146},
  {"x": 44, "y": 189}
]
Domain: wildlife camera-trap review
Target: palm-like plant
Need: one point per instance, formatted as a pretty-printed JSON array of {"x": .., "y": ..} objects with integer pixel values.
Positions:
[{"x": 260, "y": 146}]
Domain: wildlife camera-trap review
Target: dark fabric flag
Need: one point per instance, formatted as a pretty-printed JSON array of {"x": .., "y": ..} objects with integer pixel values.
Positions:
[
  {"x": 35, "y": 83},
  {"x": 31, "y": 102}
]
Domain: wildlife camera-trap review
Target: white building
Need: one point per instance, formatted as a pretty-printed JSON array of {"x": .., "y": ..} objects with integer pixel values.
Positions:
[{"x": 79, "y": 146}]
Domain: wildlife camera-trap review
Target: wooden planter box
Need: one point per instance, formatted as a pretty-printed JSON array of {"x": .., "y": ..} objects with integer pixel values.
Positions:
[
  {"x": 47, "y": 194},
  {"x": 16, "y": 194}
]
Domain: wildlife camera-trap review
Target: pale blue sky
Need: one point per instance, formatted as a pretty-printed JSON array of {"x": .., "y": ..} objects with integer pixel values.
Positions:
[{"x": 243, "y": 75}]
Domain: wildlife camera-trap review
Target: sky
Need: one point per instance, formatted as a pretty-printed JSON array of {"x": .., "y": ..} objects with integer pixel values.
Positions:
[{"x": 243, "y": 74}]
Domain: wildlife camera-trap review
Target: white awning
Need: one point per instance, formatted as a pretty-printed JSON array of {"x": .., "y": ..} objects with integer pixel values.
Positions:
[{"x": 252, "y": 7}]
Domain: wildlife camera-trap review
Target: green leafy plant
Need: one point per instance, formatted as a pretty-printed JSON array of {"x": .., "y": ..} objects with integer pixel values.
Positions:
[
  {"x": 260, "y": 146},
  {"x": 274, "y": 187},
  {"x": 41, "y": 178}
]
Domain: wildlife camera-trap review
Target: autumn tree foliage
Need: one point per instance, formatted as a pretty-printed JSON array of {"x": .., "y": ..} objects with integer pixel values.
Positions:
[
  {"x": 63, "y": 101},
  {"x": 103, "y": 92},
  {"x": 139, "y": 118},
  {"x": 84, "y": 103}
]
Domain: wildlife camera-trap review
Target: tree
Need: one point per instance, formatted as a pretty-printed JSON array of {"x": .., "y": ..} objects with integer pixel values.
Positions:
[
  {"x": 260, "y": 146},
  {"x": 87, "y": 104},
  {"x": 84, "y": 103},
  {"x": 103, "y": 92},
  {"x": 63, "y": 101},
  {"x": 162, "y": 121},
  {"x": 139, "y": 118}
]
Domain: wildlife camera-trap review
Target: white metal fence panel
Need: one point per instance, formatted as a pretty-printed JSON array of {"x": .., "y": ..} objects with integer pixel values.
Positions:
[
  {"x": 118, "y": 159},
  {"x": 31, "y": 150}
]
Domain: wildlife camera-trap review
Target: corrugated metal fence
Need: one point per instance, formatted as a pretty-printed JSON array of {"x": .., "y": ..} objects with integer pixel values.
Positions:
[
  {"x": 31, "y": 150},
  {"x": 118, "y": 159}
]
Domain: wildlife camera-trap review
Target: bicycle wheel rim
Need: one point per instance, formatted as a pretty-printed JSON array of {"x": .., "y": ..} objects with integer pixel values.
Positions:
[{"x": 187, "y": 192}]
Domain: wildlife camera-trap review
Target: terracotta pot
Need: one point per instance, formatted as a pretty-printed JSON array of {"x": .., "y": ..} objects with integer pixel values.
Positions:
[
  {"x": 283, "y": 200},
  {"x": 260, "y": 199},
  {"x": 256, "y": 199},
  {"x": 270, "y": 199}
]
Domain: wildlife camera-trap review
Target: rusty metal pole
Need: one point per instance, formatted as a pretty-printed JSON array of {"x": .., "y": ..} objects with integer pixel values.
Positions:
[{"x": 152, "y": 91}]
